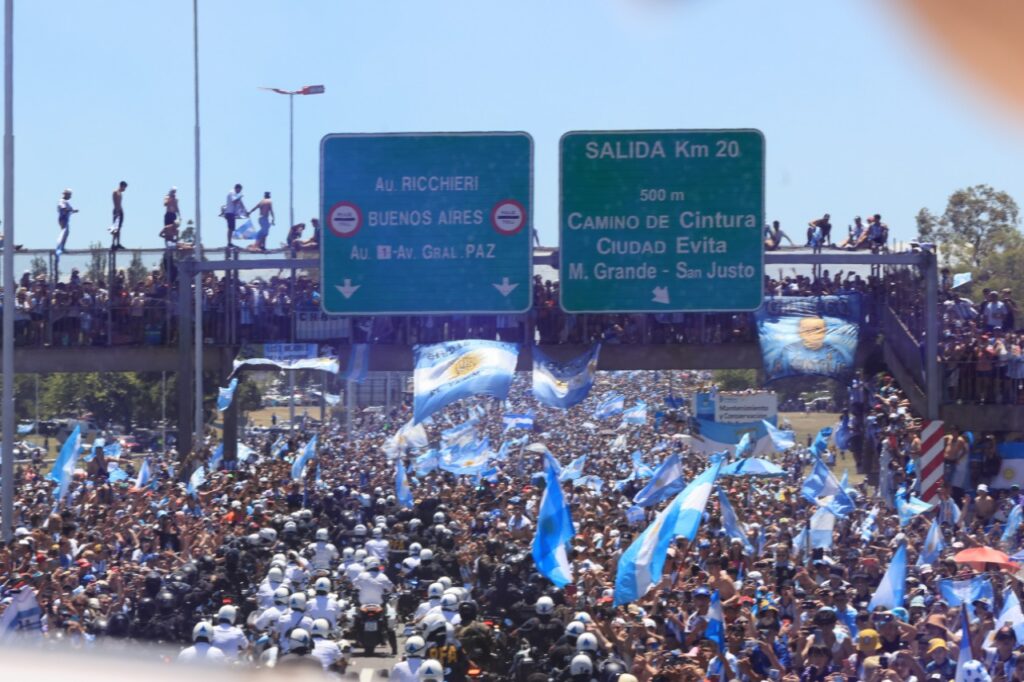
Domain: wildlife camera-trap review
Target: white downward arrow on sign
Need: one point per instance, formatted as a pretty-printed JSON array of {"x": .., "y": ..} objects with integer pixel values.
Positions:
[
  {"x": 505, "y": 287},
  {"x": 347, "y": 289},
  {"x": 660, "y": 295}
]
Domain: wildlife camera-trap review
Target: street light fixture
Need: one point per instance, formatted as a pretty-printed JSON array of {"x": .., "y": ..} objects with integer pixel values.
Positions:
[{"x": 304, "y": 90}]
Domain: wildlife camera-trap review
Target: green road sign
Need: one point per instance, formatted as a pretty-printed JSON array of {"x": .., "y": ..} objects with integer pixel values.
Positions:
[
  {"x": 426, "y": 223},
  {"x": 661, "y": 220}
]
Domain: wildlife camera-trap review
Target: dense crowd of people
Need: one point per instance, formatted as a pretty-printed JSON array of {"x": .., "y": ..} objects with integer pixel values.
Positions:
[{"x": 253, "y": 566}]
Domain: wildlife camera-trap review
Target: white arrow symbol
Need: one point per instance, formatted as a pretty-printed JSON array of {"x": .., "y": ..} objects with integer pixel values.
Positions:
[
  {"x": 347, "y": 289},
  {"x": 505, "y": 287},
  {"x": 660, "y": 295}
]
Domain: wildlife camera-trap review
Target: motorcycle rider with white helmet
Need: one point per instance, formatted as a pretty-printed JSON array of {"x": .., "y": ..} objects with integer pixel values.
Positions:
[
  {"x": 294, "y": 618},
  {"x": 408, "y": 670},
  {"x": 202, "y": 649},
  {"x": 265, "y": 593},
  {"x": 324, "y": 553},
  {"x": 227, "y": 636},
  {"x": 323, "y": 605},
  {"x": 325, "y": 649}
]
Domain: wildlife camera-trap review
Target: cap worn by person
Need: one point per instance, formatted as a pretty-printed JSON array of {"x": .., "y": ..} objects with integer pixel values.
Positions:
[
  {"x": 936, "y": 644},
  {"x": 868, "y": 641}
]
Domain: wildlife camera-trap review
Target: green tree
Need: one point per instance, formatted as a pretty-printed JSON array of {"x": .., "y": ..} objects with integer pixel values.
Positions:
[
  {"x": 39, "y": 266},
  {"x": 978, "y": 222},
  {"x": 137, "y": 271},
  {"x": 735, "y": 379},
  {"x": 97, "y": 269}
]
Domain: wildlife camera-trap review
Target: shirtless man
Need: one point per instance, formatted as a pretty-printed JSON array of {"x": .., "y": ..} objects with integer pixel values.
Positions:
[
  {"x": 118, "y": 221},
  {"x": 984, "y": 504},
  {"x": 266, "y": 218},
  {"x": 172, "y": 215}
]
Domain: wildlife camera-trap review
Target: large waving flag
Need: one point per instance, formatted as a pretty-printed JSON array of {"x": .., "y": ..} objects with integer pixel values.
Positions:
[
  {"x": 636, "y": 415},
  {"x": 933, "y": 545},
  {"x": 402, "y": 491},
  {"x": 715, "y": 628},
  {"x": 1011, "y": 614},
  {"x": 908, "y": 506},
  {"x": 745, "y": 446},
  {"x": 640, "y": 566},
  {"x": 67, "y": 473},
  {"x": 460, "y": 434},
  {"x": 447, "y": 372},
  {"x": 518, "y": 421},
  {"x": 427, "y": 462},
  {"x": 574, "y": 470},
  {"x": 279, "y": 447},
  {"x": 890, "y": 591},
  {"x": 843, "y": 434},
  {"x": 563, "y": 385},
  {"x": 22, "y": 616},
  {"x": 1013, "y": 523},
  {"x": 217, "y": 456},
  {"x": 640, "y": 470},
  {"x": 468, "y": 460},
  {"x": 965, "y": 592},
  {"x": 782, "y": 440},
  {"x": 358, "y": 367},
  {"x": 820, "y": 444},
  {"x": 554, "y": 529},
  {"x": 308, "y": 455},
  {"x": 610, "y": 406},
  {"x": 817, "y": 533},
  {"x": 666, "y": 482},
  {"x": 822, "y": 483},
  {"x": 144, "y": 478},
  {"x": 197, "y": 478},
  {"x": 966, "y": 655},
  {"x": 70, "y": 449},
  {"x": 226, "y": 395},
  {"x": 731, "y": 524}
]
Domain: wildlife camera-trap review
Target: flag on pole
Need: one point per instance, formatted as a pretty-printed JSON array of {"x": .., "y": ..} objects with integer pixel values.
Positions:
[
  {"x": 447, "y": 372},
  {"x": 610, "y": 406},
  {"x": 563, "y": 385},
  {"x": 246, "y": 230},
  {"x": 930, "y": 460},
  {"x": 554, "y": 529},
  {"x": 22, "y": 615},
  {"x": 934, "y": 543},
  {"x": 715, "y": 628},
  {"x": 518, "y": 421},
  {"x": 144, "y": 477},
  {"x": 307, "y": 456},
  {"x": 216, "y": 457},
  {"x": 966, "y": 655},
  {"x": 745, "y": 445},
  {"x": 636, "y": 415},
  {"x": 402, "y": 491},
  {"x": 226, "y": 395},
  {"x": 820, "y": 444},
  {"x": 731, "y": 524},
  {"x": 1011, "y": 614},
  {"x": 358, "y": 366},
  {"x": 890, "y": 591},
  {"x": 197, "y": 478},
  {"x": 666, "y": 482},
  {"x": 70, "y": 448},
  {"x": 782, "y": 440}
]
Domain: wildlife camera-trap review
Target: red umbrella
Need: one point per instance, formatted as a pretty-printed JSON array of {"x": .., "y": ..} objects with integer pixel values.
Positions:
[{"x": 978, "y": 557}]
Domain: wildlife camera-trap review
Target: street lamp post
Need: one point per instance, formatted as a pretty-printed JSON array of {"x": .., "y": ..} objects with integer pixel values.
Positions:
[{"x": 304, "y": 90}]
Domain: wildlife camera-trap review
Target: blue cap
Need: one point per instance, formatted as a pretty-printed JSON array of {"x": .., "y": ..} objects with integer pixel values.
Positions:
[{"x": 702, "y": 592}]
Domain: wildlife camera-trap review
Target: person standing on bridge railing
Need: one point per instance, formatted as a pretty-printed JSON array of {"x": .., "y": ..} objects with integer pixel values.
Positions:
[
  {"x": 118, "y": 216},
  {"x": 233, "y": 208},
  {"x": 266, "y": 218},
  {"x": 64, "y": 211}
]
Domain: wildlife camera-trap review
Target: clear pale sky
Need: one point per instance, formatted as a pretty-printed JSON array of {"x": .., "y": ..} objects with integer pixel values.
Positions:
[{"x": 860, "y": 112}]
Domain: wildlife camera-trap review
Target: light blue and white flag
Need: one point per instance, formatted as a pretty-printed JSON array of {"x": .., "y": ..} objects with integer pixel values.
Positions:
[
  {"x": 715, "y": 628},
  {"x": 244, "y": 452},
  {"x": 965, "y": 592},
  {"x": 640, "y": 566},
  {"x": 518, "y": 421},
  {"x": 909, "y": 506},
  {"x": 144, "y": 477},
  {"x": 733, "y": 527},
  {"x": 358, "y": 366},
  {"x": 595, "y": 483},
  {"x": 427, "y": 462},
  {"x": 843, "y": 434},
  {"x": 820, "y": 444},
  {"x": 745, "y": 446},
  {"x": 563, "y": 385},
  {"x": 782, "y": 440},
  {"x": 640, "y": 470},
  {"x": 891, "y": 590},
  {"x": 870, "y": 524},
  {"x": 574, "y": 470},
  {"x": 949, "y": 512},
  {"x": 308, "y": 455},
  {"x": 226, "y": 395},
  {"x": 966, "y": 655},
  {"x": 447, "y": 372},
  {"x": 933, "y": 545},
  {"x": 1011, "y": 614},
  {"x": 67, "y": 473},
  {"x": 468, "y": 460},
  {"x": 666, "y": 482},
  {"x": 1013, "y": 523},
  {"x": 636, "y": 415},
  {"x": 246, "y": 230},
  {"x": 197, "y": 478},
  {"x": 460, "y": 434},
  {"x": 610, "y": 406},
  {"x": 554, "y": 530},
  {"x": 25, "y": 429},
  {"x": 278, "y": 449},
  {"x": 70, "y": 449},
  {"x": 332, "y": 399},
  {"x": 822, "y": 483},
  {"x": 402, "y": 491},
  {"x": 22, "y": 615},
  {"x": 817, "y": 533},
  {"x": 216, "y": 457},
  {"x": 961, "y": 278}
]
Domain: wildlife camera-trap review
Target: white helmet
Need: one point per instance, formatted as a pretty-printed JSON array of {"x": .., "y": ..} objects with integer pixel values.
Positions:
[
  {"x": 583, "y": 617},
  {"x": 435, "y": 590},
  {"x": 581, "y": 665},
  {"x": 275, "y": 574},
  {"x": 438, "y": 517},
  {"x": 360, "y": 531},
  {"x": 414, "y": 524},
  {"x": 446, "y": 581},
  {"x": 414, "y": 549},
  {"x": 432, "y": 624},
  {"x": 297, "y": 602},
  {"x": 359, "y": 555},
  {"x": 253, "y": 538},
  {"x": 322, "y": 585},
  {"x": 228, "y": 613},
  {"x": 371, "y": 563},
  {"x": 377, "y": 531},
  {"x": 431, "y": 671},
  {"x": 415, "y": 647},
  {"x": 409, "y": 564},
  {"x": 587, "y": 642},
  {"x": 299, "y": 639},
  {"x": 268, "y": 535},
  {"x": 322, "y": 535},
  {"x": 347, "y": 553},
  {"x": 449, "y": 602},
  {"x": 305, "y": 514},
  {"x": 575, "y": 628},
  {"x": 427, "y": 555},
  {"x": 544, "y": 605},
  {"x": 202, "y": 630},
  {"x": 290, "y": 527},
  {"x": 279, "y": 560},
  {"x": 321, "y": 628},
  {"x": 281, "y": 595}
]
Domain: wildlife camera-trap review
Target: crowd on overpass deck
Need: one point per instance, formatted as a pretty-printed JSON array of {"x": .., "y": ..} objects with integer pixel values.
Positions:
[{"x": 807, "y": 579}]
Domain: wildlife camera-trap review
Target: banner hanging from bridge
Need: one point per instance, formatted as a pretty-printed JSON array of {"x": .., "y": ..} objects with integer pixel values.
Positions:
[{"x": 809, "y": 335}]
